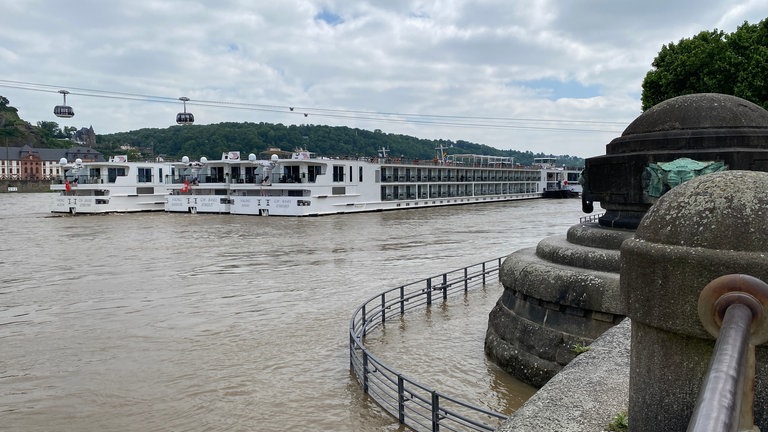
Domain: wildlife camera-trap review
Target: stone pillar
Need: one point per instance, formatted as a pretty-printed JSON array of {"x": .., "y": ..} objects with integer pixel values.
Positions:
[
  {"x": 703, "y": 127},
  {"x": 566, "y": 290},
  {"x": 713, "y": 225}
]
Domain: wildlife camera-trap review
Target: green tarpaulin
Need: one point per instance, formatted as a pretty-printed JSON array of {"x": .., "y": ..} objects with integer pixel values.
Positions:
[{"x": 660, "y": 177}]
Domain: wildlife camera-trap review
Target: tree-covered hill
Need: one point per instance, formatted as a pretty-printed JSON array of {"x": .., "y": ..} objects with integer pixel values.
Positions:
[
  {"x": 212, "y": 140},
  {"x": 14, "y": 131}
]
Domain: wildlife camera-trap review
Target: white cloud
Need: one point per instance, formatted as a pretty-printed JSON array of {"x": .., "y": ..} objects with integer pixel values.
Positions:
[{"x": 548, "y": 60}]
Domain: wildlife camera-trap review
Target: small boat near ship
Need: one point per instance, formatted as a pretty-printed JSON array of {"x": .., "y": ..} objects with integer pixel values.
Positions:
[
  {"x": 114, "y": 186},
  {"x": 561, "y": 183}
]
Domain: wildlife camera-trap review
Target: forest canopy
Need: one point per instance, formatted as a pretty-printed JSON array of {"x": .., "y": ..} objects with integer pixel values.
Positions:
[{"x": 213, "y": 140}]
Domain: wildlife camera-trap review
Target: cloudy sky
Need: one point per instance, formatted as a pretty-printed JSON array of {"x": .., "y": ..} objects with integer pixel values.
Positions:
[{"x": 552, "y": 76}]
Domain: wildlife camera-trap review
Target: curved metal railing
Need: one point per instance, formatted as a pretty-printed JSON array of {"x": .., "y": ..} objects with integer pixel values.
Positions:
[{"x": 416, "y": 405}]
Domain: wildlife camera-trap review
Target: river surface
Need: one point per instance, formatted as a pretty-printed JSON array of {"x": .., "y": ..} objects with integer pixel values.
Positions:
[{"x": 180, "y": 322}]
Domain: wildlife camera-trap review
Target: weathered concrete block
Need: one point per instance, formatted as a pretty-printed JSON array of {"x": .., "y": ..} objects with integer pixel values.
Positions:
[
  {"x": 586, "y": 395},
  {"x": 557, "y": 249},
  {"x": 708, "y": 227},
  {"x": 526, "y": 272},
  {"x": 595, "y": 236}
]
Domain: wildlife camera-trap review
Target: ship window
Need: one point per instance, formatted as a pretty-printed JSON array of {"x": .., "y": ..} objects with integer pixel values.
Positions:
[
  {"x": 114, "y": 173},
  {"x": 216, "y": 175},
  {"x": 145, "y": 190},
  {"x": 350, "y": 173},
  {"x": 145, "y": 175},
  {"x": 338, "y": 173},
  {"x": 360, "y": 175},
  {"x": 250, "y": 174},
  {"x": 291, "y": 174},
  {"x": 313, "y": 171}
]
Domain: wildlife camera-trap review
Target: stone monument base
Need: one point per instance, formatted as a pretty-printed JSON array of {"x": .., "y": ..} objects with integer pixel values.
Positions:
[{"x": 558, "y": 296}]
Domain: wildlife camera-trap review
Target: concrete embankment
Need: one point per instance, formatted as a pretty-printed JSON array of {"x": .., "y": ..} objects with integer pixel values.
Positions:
[{"x": 586, "y": 395}]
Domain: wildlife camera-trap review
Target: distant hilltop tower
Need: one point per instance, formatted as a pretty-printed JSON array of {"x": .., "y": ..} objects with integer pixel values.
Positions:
[{"x": 86, "y": 137}]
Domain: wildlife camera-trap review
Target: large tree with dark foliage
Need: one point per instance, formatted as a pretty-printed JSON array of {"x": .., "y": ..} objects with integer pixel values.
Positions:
[{"x": 712, "y": 62}]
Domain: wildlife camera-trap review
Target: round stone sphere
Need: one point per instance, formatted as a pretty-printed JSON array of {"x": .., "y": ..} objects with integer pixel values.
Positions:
[
  {"x": 710, "y": 226},
  {"x": 725, "y": 211}
]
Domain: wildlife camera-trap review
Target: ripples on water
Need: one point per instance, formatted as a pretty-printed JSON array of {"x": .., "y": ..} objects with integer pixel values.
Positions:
[{"x": 204, "y": 322}]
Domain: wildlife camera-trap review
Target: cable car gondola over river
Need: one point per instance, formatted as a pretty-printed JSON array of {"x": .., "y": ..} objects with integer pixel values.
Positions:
[
  {"x": 65, "y": 110},
  {"x": 183, "y": 118}
]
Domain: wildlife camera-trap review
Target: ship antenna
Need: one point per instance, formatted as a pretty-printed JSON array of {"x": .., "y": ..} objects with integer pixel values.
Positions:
[{"x": 442, "y": 156}]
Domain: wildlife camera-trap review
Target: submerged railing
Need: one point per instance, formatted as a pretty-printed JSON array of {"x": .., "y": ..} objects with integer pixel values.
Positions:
[
  {"x": 590, "y": 218},
  {"x": 415, "y": 404},
  {"x": 733, "y": 309}
]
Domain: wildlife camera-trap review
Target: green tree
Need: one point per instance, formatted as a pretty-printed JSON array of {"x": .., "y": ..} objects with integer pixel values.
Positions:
[
  {"x": 69, "y": 131},
  {"x": 712, "y": 62},
  {"x": 49, "y": 129}
]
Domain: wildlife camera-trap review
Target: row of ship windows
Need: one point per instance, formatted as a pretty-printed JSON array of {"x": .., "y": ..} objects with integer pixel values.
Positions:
[
  {"x": 413, "y": 192},
  {"x": 434, "y": 178}
]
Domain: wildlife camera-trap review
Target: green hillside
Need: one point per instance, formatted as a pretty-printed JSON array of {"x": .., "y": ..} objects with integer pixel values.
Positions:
[
  {"x": 15, "y": 132},
  {"x": 212, "y": 140}
]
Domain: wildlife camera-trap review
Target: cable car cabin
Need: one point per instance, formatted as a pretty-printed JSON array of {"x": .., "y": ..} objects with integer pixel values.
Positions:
[
  {"x": 65, "y": 111},
  {"x": 185, "y": 118}
]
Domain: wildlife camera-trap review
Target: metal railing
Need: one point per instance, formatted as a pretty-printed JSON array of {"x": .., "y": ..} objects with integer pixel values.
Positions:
[
  {"x": 416, "y": 405},
  {"x": 590, "y": 218},
  {"x": 733, "y": 309}
]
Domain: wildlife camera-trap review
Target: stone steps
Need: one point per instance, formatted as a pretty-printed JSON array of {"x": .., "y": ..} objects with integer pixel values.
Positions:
[{"x": 562, "y": 293}]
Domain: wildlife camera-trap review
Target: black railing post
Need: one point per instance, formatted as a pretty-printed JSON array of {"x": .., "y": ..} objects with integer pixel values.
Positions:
[
  {"x": 362, "y": 321},
  {"x": 435, "y": 412},
  {"x": 483, "y": 273},
  {"x": 351, "y": 349},
  {"x": 383, "y": 307},
  {"x": 402, "y": 300},
  {"x": 445, "y": 286},
  {"x": 429, "y": 291},
  {"x": 365, "y": 372},
  {"x": 400, "y": 400},
  {"x": 466, "y": 282}
]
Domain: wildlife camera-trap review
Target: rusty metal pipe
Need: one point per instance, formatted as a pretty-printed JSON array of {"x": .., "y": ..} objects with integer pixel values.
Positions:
[
  {"x": 719, "y": 405},
  {"x": 732, "y": 308}
]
